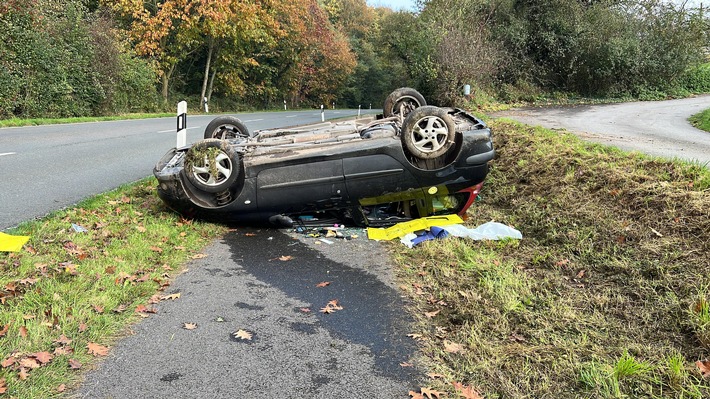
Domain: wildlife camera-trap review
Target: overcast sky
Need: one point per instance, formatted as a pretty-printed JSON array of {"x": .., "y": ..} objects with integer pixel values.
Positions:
[{"x": 407, "y": 5}]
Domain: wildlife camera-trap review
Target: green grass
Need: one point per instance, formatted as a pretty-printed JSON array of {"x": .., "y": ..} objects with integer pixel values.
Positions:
[
  {"x": 701, "y": 120},
  {"x": 54, "y": 121},
  {"x": 607, "y": 294},
  {"x": 87, "y": 286}
]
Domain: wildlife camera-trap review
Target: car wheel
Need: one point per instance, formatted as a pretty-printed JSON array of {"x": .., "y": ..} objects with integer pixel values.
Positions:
[
  {"x": 225, "y": 128},
  {"x": 428, "y": 132},
  {"x": 402, "y": 101},
  {"x": 211, "y": 165}
]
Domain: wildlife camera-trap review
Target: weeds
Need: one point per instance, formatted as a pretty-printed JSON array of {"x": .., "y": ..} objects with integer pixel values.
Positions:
[{"x": 594, "y": 301}]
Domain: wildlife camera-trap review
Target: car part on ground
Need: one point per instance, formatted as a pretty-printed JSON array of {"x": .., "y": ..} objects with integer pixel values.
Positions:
[{"x": 369, "y": 171}]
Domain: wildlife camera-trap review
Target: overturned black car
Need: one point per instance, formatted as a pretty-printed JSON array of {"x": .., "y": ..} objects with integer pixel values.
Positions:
[{"x": 413, "y": 161}]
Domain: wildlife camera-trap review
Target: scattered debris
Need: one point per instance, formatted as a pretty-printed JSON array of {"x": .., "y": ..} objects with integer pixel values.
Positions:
[
  {"x": 9, "y": 243},
  {"x": 78, "y": 229}
]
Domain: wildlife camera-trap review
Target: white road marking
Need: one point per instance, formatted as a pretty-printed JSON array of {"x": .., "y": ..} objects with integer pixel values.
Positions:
[
  {"x": 8, "y": 153},
  {"x": 253, "y": 120},
  {"x": 291, "y": 116},
  {"x": 173, "y": 130}
]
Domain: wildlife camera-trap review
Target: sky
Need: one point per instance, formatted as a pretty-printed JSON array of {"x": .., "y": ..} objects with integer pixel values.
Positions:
[{"x": 397, "y": 5}]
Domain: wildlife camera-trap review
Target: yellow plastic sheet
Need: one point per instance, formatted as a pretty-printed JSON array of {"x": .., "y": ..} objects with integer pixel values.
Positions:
[
  {"x": 404, "y": 228},
  {"x": 10, "y": 243}
]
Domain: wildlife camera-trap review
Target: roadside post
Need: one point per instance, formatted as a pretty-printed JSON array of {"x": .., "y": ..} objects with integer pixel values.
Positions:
[
  {"x": 358, "y": 110},
  {"x": 204, "y": 101},
  {"x": 322, "y": 113},
  {"x": 182, "y": 124},
  {"x": 284, "y": 105}
]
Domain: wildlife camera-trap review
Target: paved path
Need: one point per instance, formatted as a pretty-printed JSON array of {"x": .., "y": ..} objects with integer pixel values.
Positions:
[
  {"x": 659, "y": 128},
  {"x": 353, "y": 353}
]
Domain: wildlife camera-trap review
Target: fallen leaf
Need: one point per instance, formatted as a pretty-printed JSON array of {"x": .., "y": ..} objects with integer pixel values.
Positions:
[
  {"x": 145, "y": 309},
  {"x": 23, "y": 374},
  {"x": 416, "y": 395},
  {"x": 189, "y": 326},
  {"x": 581, "y": 273},
  {"x": 63, "y": 350},
  {"x": 8, "y": 362},
  {"x": 306, "y": 310},
  {"x": 171, "y": 296},
  {"x": 335, "y": 304},
  {"x": 96, "y": 349},
  {"x": 82, "y": 327},
  {"x": 199, "y": 256},
  {"x": 430, "y": 393},
  {"x": 141, "y": 229},
  {"x": 415, "y": 336},
  {"x": 156, "y": 249},
  {"x": 466, "y": 391},
  {"x": 327, "y": 310},
  {"x": 74, "y": 364},
  {"x": 323, "y": 284},
  {"x": 406, "y": 364},
  {"x": 63, "y": 340},
  {"x": 61, "y": 388},
  {"x": 110, "y": 270},
  {"x": 704, "y": 366},
  {"x": 431, "y": 314},
  {"x": 3, "y": 385},
  {"x": 98, "y": 308},
  {"x": 3, "y": 330},
  {"x": 241, "y": 334},
  {"x": 285, "y": 258},
  {"x": 452, "y": 347},
  {"x": 23, "y": 332},
  {"x": 30, "y": 363},
  {"x": 250, "y": 234},
  {"x": 43, "y": 357},
  {"x": 120, "y": 308}
]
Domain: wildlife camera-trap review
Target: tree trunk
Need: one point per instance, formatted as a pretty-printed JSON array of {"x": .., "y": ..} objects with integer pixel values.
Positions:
[
  {"x": 208, "y": 65},
  {"x": 211, "y": 85},
  {"x": 166, "y": 82}
]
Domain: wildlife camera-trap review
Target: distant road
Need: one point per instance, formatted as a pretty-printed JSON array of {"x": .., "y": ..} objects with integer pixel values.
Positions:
[
  {"x": 659, "y": 128},
  {"x": 46, "y": 168}
]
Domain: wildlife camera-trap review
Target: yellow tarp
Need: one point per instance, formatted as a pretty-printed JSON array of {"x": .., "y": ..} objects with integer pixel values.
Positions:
[
  {"x": 10, "y": 243},
  {"x": 402, "y": 229}
]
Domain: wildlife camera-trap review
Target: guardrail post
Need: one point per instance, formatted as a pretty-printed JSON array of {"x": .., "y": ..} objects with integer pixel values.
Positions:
[{"x": 182, "y": 124}]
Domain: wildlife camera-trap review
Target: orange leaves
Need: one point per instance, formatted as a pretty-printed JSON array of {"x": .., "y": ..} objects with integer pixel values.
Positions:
[
  {"x": 24, "y": 363},
  {"x": 466, "y": 391},
  {"x": 323, "y": 284},
  {"x": 331, "y": 307},
  {"x": 96, "y": 349},
  {"x": 243, "y": 335},
  {"x": 704, "y": 367},
  {"x": 74, "y": 364},
  {"x": 189, "y": 326}
]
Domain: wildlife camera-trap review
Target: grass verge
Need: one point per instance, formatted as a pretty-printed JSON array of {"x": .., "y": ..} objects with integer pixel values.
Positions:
[
  {"x": 607, "y": 294},
  {"x": 701, "y": 120},
  {"x": 55, "y": 121},
  {"x": 68, "y": 295}
]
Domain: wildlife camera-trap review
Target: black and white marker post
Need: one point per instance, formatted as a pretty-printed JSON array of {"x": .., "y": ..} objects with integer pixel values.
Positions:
[
  {"x": 322, "y": 113},
  {"x": 181, "y": 124}
]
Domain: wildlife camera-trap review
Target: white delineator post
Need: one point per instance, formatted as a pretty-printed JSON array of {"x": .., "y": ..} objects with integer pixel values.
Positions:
[
  {"x": 322, "y": 113},
  {"x": 358, "y": 110},
  {"x": 181, "y": 124}
]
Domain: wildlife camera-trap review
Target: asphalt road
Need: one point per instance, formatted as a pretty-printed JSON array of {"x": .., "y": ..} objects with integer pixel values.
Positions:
[
  {"x": 355, "y": 352},
  {"x": 658, "y": 128},
  {"x": 46, "y": 168}
]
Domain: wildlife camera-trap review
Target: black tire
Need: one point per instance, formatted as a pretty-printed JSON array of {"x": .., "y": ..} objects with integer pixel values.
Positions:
[
  {"x": 225, "y": 128},
  {"x": 403, "y": 101},
  {"x": 428, "y": 132},
  {"x": 198, "y": 166}
]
